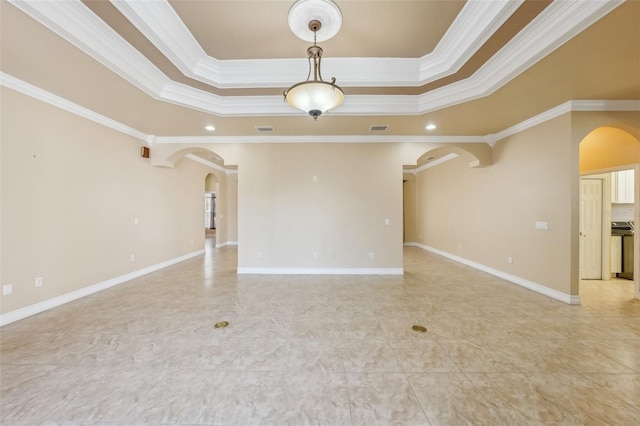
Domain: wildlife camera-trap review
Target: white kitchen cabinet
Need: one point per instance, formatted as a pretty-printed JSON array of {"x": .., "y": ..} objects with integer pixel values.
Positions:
[
  {"x": 622, "y": 185},
  {"x": 615, "y": 254}
]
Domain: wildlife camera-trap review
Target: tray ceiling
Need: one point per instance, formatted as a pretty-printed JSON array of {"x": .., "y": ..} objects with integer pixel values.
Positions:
[{"x": 168, "y": 68}]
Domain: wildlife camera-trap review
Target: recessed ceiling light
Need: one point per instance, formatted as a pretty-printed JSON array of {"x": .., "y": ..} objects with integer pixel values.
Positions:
[
  {"x": 430, "y": 126},
  {"x": 210, "y": 128}
]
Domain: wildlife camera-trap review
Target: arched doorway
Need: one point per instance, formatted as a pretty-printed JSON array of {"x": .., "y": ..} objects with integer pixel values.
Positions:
[
  {"x": 415, "y": 232},
  {"x": 211, "y": 188},
  {"x": 609, "y": 165}
]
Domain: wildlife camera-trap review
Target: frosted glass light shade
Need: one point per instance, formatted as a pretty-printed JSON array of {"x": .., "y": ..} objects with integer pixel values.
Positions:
[{"x": 314, "y": 97}]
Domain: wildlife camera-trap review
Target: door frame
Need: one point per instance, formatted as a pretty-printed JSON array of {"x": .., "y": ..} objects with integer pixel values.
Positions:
[{"x": 605, "y": 214}]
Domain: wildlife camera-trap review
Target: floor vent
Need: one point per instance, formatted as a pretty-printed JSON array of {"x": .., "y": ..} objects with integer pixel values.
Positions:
[
  {"x": 379, "y": 128},
  {"x": 264, "y": 128}
]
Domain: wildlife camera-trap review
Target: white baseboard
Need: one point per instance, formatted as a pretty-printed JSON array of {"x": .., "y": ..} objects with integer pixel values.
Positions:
[
  {"x": 228, "y": 243},
  {"x": 27, "y": 311},
  {"x": 321, "y": 271},
  {"x": 538, "y": 288}
]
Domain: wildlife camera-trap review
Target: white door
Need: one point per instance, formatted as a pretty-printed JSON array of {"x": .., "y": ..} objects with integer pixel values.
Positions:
[{"x": 590, "y": 229}]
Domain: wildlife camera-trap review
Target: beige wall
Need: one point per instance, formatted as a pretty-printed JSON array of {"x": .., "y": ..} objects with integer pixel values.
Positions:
[
  {"x": 232, "y": 208},
  {"x": 409, "y": 212},
  {"x": 211, "y": 183},
  {"x": 487, "y": 215},
  {"x": 71, "y": 189},
  {"x": 286, "y": 216}
]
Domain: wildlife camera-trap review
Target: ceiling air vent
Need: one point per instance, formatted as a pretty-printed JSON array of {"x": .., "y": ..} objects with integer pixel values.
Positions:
[
  {"x": 379, "y": 128},
  {"x": 264, "y": 128}
]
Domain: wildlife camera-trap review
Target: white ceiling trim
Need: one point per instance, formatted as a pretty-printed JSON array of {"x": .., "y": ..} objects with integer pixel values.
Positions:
[
  {"x": 570, "y": 106},
  {"x": 32, "y": 91},
  {"x": 11, "y": 82},
  {"x": 554, "y": 26},
  {"x": 80, "y": 26},
  {"x": 474, "y": 25},
  {"x": 77, "y": 24},
  {"x": 317, "y": 139}
]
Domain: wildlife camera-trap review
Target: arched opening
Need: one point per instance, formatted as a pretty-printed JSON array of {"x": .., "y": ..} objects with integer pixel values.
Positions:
[
  {"x": 411, "y": 195},
  {"x": 211, "y": 188},
  {"x": 609, "y": 206},
  {"x": 219, "y": 179}
]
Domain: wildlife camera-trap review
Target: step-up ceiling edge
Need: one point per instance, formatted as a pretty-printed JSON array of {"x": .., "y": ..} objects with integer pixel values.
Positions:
[{"x": 557, "y": 24}]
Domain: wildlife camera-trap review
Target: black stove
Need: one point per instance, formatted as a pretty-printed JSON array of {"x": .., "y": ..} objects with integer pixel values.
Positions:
[{"x": 622, "y": 228}]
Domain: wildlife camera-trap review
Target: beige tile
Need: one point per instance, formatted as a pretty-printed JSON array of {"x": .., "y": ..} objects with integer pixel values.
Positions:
[
  {"x": 266, "y": 398},
  {"x": 451, "y": 399},
  {"x": 624, "y": 352},
  {"x": 480, "y": 355},
  {"x": 571, "y": 356},
  {"x": 383, "y": 398},
  {"x": 315, "y": 356},
  {"x": 586, "y": 399},
  {"x": 518, "y": 401},
  {"x": 424, "y": 356},
  {"x": 181, "y": 396},
  {"x": 626, "y": 386},
  {"x": 325, "y": 350}
]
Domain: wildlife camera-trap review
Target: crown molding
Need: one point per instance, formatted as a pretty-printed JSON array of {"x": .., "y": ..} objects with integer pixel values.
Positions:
[
  {"x": 77, "y": 24},
  {"x": 473, "y": 26},
  {"x": 80, "y": 26},
  {"x": 32, "y": 91},
  {"x": 557, "y": 24},
  {"x": 476, "y": 23},
  {"x": 317, "y": 139},
  {"x": 570, "y": 106}
]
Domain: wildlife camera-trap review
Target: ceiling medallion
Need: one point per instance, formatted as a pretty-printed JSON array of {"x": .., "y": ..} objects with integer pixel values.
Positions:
[
  {"x": 315, "y": 96},
  {"x": 324, "y": 11}
]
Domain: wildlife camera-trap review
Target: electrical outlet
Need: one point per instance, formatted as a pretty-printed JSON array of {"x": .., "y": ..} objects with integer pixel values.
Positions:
[
  {"x": 135, "y": 220},
  {"x": 315, "y": 254},
  {"x": 7, "y": 289},
  {"x": 133, "y": 257},
  {"x": 386, "y": 221},
  {"x": 258, "y": 254},
  {"x": 315, "y": 178},
  {"x": 542, "y": 225},
  {"x": 39, "y": 281},
  {"x": 509, "y": 259},
  {"x": 371, "y": 255}
]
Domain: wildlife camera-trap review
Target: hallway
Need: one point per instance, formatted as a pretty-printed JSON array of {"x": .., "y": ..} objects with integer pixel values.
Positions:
[{"x": 331, "y": 350}]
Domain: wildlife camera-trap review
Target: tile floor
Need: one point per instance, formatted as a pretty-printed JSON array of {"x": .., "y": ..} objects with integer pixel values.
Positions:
[{"x": 325, "y": 350}]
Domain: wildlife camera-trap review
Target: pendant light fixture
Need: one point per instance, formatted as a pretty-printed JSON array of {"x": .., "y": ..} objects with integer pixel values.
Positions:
[{"x": 315, "y": 96}]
